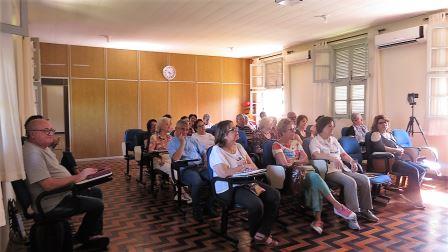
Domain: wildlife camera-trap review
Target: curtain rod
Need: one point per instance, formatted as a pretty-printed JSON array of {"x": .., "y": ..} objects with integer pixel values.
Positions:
[{"x": 270, "y": 56}]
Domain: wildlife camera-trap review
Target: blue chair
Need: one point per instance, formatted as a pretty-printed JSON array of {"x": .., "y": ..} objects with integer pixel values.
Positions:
[
  {"x": 403, "y": 139},
  {"x": 352, "y": 148},
  {"x": 243, "y": 140},
  {"x": 128, "y": 147}
]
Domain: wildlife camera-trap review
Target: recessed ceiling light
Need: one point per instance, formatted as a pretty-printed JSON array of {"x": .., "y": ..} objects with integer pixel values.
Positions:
[{"x": 288, "y": 2}]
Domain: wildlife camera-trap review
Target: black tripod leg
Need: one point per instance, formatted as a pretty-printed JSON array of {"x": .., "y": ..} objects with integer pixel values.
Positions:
[{"x": 421, "y": 131}]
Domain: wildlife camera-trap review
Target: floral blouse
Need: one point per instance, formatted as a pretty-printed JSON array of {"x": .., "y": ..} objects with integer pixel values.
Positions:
[{"x": 159, "y": 142}]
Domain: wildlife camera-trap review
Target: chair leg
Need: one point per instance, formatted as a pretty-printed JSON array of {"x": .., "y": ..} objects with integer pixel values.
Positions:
[
  {"x": 179, "y": 199},
  {"x": 223, "y": 228},
  {"x": 128, "y": 175}
]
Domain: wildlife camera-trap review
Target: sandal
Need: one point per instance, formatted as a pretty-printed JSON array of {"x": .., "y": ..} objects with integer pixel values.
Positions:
[
  {"x": 317, "y": 226},
  {"x": 266, "y": 241}
]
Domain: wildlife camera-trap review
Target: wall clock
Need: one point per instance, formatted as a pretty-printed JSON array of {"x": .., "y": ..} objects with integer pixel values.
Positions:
[{"x": 169, "y": 72}]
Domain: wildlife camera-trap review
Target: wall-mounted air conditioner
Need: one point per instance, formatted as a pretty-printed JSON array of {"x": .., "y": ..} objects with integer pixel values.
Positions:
[
  {"x": 410, "y": 35},
  {"x": 297, "y": 57}
]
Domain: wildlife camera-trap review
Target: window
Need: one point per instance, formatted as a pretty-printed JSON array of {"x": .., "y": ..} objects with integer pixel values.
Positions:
[
  {"x": 350, "y": 77},
  {"x": 438, "y": 70}
]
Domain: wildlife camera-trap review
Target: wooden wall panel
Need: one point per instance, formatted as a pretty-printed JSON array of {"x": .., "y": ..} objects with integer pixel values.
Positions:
[
  {"x": 87, "y": 62},
  {"x": 122, "y": 112},
  {"x": 87, "y": 120},
  {"x": 151, "y": 65},
  {"x": 247, "y": 70},
  {"x": 185, "y": 66},
  {"x": 154, "y": 101},
  {"x": 210, "y": 101},
  {"x": 122, "y": 64},
  {"x": 232, "y": 70},
  {"x": 232, "y": 101},
  {"x": 54, "y": 60},
  {"x": 209, "y": 69},
  {"x": 183, "y": 99}
]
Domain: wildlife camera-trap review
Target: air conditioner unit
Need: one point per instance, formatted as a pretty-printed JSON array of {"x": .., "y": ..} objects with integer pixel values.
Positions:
[
  {"x": 296, "y": 57},
  {"x": 405, "y": 36}
]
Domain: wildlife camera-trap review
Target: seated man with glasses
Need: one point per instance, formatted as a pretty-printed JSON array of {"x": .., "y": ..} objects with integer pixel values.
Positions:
[
  {"x": 44, "y": 173},
  {"x": 184, "y": 147}
]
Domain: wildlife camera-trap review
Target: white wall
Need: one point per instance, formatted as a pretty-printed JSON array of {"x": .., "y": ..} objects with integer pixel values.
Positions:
[{"x": 53, "y": 108}]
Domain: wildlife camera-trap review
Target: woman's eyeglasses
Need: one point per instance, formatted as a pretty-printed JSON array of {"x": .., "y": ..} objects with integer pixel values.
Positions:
[
  {"x": 48, "y": 132},
  {"x": 232, "y": 130},
  {"x": 383, "y": 122}
]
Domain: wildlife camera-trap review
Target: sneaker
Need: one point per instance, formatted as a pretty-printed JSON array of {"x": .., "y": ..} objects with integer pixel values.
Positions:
[
  {"x": 368, "y": 215},
  {"x": 184, "y": 197},
  {"x": 317, "y": 226},
  {"x": 353, "y": 224},
  {"x": 345, "y": 213}
]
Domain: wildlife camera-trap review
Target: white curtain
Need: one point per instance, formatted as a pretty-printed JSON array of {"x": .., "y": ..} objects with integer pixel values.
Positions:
[
  {"x": 23, "y": 50},
  {"x": 374, "y": 98},
  {"x": 11, "y": 161}
]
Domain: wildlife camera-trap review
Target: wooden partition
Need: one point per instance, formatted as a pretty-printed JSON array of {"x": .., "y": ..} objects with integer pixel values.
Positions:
[
  {"x": 122, "y": 112},
  {"x": 112, "y": 90},
  {"x": 87, "y": 118}
]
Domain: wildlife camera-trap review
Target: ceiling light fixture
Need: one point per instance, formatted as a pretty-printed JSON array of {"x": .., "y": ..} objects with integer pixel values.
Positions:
[{"x": 287, "y": 2}]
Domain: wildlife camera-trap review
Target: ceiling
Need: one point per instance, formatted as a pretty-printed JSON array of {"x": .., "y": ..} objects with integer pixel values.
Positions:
[{"x": 233, "y": 28}]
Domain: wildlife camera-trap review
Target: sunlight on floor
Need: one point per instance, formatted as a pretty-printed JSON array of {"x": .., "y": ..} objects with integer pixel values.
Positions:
[{"x": 436, "y": 196}]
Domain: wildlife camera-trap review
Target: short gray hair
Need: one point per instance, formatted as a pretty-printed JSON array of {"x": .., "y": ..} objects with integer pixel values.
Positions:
[
  {"x": 181, "y": 123},
  {"x": 162, "y": 120},
  {"x": 355, "y": 115}
]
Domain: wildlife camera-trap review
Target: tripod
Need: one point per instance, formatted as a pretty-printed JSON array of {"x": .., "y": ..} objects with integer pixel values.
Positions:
[{"x": 410, "y": 127}]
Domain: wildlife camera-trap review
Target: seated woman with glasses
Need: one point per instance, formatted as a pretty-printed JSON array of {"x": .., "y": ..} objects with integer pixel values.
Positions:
[
  {"x": 159, "y": 142},
  {"x": 205, "y": 139},
  {"x": 289, "y": 153},
  {"x": 382, "y": 140},
  {"x": 262, "y": 201},
  {"x": 326, "y": 146}
]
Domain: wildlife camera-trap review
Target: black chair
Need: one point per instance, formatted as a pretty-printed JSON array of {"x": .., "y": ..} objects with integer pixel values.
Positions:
[
  {"x": 345, "y": 131},
  {"x": 128, "y": 147},
  {"x": 41, "y": 218}
]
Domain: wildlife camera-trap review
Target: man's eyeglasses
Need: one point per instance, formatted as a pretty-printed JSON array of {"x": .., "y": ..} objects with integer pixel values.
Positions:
[{"x": 48, "y": 132}]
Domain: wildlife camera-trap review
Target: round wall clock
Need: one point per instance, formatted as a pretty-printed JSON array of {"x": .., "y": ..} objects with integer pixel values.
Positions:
[{"x": 169, "y": 72}]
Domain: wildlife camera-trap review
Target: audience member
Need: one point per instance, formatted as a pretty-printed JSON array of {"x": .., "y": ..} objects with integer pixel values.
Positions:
[
  {"x": 184, "y": 147},
  {"x": 206, "y": 118},
  {"x": 262, "y": 115},
  {"x": 205, "y": 139},
  {"x": 358, "y": 129},
  {"x": 382, "y": 140},
  {"x": 302, "y": 121},
  {"x": 44, "y": 173},
  {"x": 274, "y": 131},
  {"x": 262, "y": 201},
  {"x": 325, "y": 146},
  {"x": 252, "y": 124},
  {"x": 311, "y": 129},
  {"x": 242, "y": 125},
  {"x": 151, "y": 126},
  {"x": 262, "y": 134},
  {"x": 292, "y": 116},
  {"x": 289, "y": 153}
]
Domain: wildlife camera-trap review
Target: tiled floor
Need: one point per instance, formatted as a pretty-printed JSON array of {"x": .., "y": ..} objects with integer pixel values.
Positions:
[{"x": 137, "y": 221}]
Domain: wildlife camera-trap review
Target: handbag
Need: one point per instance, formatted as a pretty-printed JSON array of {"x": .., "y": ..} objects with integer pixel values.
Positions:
[{"x": 294, "y": 179}]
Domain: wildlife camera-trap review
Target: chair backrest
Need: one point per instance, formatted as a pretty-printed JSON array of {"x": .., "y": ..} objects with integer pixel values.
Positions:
[
  {"x": 268, "y": 157},
  {"x": 140, "y": 138},
  {"x": 308, "y": 130},
  {"x": 306, "y": 146},
  {"x": 368, "y": 143},
  {"x": 129, "y": 138},
  {"x": 69, "y": 162},
  {"x": 351, "y": 147},
  {"x": 209, "y": 168},
  {"x": 243, "y": 140},
  {"x": 23, "y": 196},
  {"x": 345, "y": 131},
  {"x": 402, "y": 138}
]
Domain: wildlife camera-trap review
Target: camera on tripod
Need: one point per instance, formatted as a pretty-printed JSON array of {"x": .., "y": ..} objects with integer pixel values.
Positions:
[{"x": 411, "y": 98}]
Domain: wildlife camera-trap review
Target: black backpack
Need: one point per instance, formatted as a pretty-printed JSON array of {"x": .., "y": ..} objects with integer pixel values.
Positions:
[{"x": 51, "y": 236}]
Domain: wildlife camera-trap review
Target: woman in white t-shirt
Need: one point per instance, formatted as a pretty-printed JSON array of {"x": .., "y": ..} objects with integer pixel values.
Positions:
[
  {"x": 356, "y": 186},
  {"x": 262, "y": 201},
  {"x": 206, "y": 139}
]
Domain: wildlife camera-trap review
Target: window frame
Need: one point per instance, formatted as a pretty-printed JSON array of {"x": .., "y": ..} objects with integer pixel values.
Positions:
[{"x": 350, "y": 80}]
